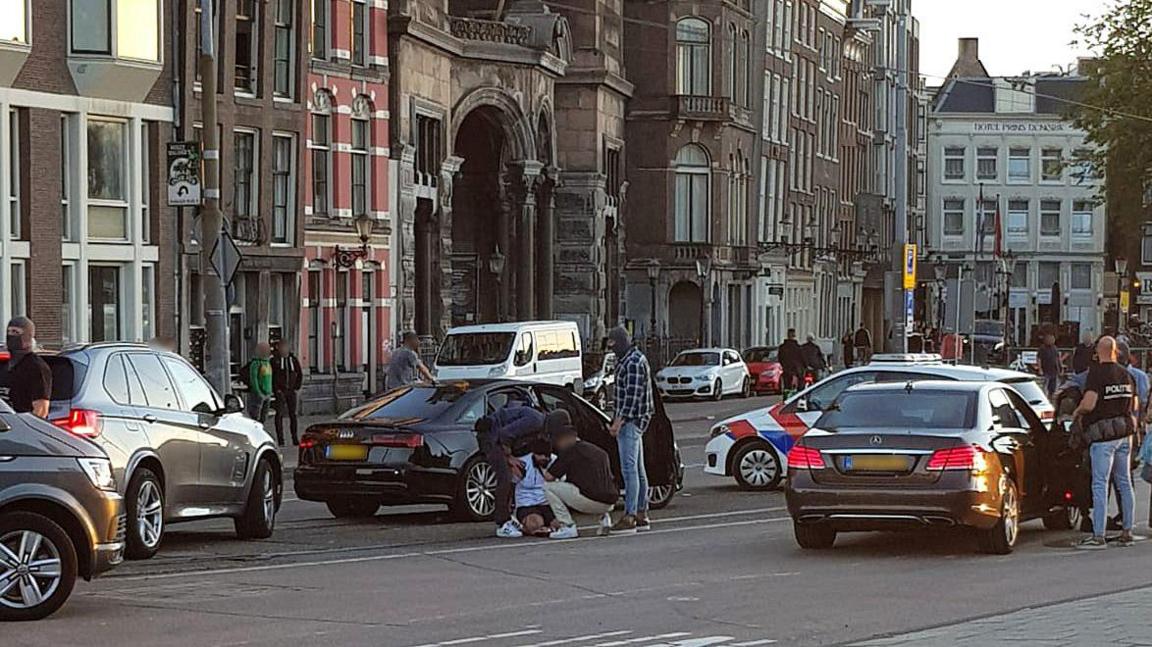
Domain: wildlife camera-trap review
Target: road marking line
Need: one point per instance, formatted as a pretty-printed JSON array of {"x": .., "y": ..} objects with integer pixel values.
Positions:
[
  {"x": 633, "y": 641},
  {"x": 701, "y": 642},
  {"x": 430, "y": 553},
  {"x": 754, "y": 643},
  {"x": 476, "y": 639},
  {"x": 568, "y": 641}
]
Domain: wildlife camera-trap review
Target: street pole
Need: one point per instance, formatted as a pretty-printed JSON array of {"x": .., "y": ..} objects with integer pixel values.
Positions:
[
  {"x": 900, "y": 324},
  {"x": 216, "y": 348}
]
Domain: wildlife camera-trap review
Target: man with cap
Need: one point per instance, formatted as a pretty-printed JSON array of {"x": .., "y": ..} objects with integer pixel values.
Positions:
[
  {"x": 634, "y": 409},
  {"x": 588, "y": 486},
  {"x": 28, "y": 380}
]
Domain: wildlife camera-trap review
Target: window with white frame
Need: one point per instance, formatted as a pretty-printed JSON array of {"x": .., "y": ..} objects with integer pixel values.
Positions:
[
  {"x": 147, "y": 301},
  {"x": 67, "y": 231},
  {"x": 107, "y": 179},
  {"x": 745, "y": 62},
  {"x": 954, "y": 217},
  {"x": 1050, "y": 218},
  {"x": 361, "y": 164},
  {"x": 693, "y": 174},
  {"x": 145, "y": 167},
  {"x": 986, "y": 216},
  {"x": 320, "y": 29},
  {"x": 954, "y": 158},
  {"x": 1083, "y": 167},
  {"x": 247, "y": 51},
  {"x": 283, "y": 187},
  {"x": 321, "y": 164},
  {"x": 733, "y": 63},
  {"x": 19, "y": 293},
  {"x": 1081, "y": 278},
  {"x": 1082, "y": 211},
  {"x": 1017, "y": 218},
  {"x": 1019, "y": 165},
  {"x": 283, "y": 48},
  {"x": 340, "y": 346},
  {"x": 315, "y": 320},
  {"x": 1052, "y": 165},
  {"x": 14, "y": 21},
  {"x": 359, "y": 32},
  {"x": 104, "y": 303},
  {"x": 1020, "y": 275},
  {"x": 121, "y": 28},
  {"x": 1047, "y": 274},
  {"x": 986, "y": 159},
  {"x": 68, "y": 304},
  {"x": 14, "y": 166},
  {"x": 693, "y": 57},
  {"x": 366, "y": 331},
  {"x": 244, "y": 182},
  {"x": 1146, "y": 248}
]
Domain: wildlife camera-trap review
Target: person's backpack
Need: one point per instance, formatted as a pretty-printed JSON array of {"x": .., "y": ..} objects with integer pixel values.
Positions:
[{"x": 246, "y": 374}]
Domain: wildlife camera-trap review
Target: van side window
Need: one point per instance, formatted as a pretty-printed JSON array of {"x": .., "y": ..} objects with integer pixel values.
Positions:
[
  {"x": 524, "y": 350},
  {"x": 557, "y": 344}
]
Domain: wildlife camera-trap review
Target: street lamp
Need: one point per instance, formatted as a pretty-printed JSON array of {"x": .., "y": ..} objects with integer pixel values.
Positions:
[
  {"x": 703, "y": 268},
  {"x": 653, "y": 274},
  {"x": 346, "y": 257},
  {"x": 496, "y": 266}
]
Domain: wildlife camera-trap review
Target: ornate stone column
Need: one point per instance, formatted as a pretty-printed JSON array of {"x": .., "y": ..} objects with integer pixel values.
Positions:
[
  {"x": 406, "y": 237},
  {"x": 525, "y": 185},
  {"x": 546, "y": 240},
  {"x": 449, "y": 169}
]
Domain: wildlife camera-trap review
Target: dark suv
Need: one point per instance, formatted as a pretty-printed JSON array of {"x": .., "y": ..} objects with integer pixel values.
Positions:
[
  {"x": 179, "y": 451},
  {"x": 60, "y": 515}
]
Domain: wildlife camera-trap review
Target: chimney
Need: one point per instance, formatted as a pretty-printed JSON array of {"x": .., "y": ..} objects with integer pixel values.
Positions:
[
  {"x": 968, "y": 63},
  {"x": 969, "y": 50}
]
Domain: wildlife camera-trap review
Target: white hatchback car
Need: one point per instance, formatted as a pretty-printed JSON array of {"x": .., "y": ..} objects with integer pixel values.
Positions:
[
  {"x": 751, "y": 447},
  {"x": 705, "y": 373}
]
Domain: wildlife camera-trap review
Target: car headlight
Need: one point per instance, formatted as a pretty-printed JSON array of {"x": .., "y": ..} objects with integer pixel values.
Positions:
[
  {"x": 496, "y": 371},
  {"x": 719, "y": 430},
  {"x": 704, "y": 378},
  {"x": 99, "y": 471}
]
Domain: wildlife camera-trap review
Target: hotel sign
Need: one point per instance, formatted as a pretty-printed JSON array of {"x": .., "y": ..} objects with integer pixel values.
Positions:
[{"x": 1021, "y": 127}]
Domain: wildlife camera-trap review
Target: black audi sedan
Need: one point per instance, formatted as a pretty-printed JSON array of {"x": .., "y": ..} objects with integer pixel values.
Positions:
[
  {"x": 924, "y": 454},
  {"x": 416, "y": 444}
]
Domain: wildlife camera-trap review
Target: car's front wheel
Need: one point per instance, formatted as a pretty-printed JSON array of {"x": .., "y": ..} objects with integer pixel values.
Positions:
[
  {"x": 144, "y": 502},
  {"x": 353, "y": 507},
  {"x": 259, "y": 517},
  {"x": 38, "y": 566},
  {"x": 1000, "y": 539},
  {"x": 475, "y": 491},
  {"x": 814, "y": 536},
  {"x": 718, "y": 390},
  {"x": 746, "y": 390},
  {"x": 756, "y": 466}
]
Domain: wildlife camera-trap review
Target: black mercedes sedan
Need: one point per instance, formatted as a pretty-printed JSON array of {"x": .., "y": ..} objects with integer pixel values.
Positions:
[
  {"x": 923, "y": 454},
  {"x": 416, "y": 444}
]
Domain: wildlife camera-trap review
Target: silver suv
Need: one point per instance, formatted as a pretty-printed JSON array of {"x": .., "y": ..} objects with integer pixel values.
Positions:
[{"x": 179, "y": 451}]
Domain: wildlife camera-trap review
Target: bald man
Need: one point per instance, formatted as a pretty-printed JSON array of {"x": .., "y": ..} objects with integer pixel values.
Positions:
[{"x": 1107, "y": 414}]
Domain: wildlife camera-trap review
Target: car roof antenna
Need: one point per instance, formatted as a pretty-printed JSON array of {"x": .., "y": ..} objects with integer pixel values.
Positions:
[{"x": 908, "y": 386}]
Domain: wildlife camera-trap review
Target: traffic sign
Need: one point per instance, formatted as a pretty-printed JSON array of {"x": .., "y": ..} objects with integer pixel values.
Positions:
[
  {"x": 909, "y": 311},
  {"x": 183, "y": 174},
  {"x": 909, "y": 266},
  {"x": 226, "y": 258}
]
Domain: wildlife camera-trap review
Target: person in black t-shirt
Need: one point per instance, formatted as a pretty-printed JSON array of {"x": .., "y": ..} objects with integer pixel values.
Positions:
[
  {"x": 1107, "y": 414},
  {"x": 28, "y": 380},
  {"x": 588, "y": 486}
]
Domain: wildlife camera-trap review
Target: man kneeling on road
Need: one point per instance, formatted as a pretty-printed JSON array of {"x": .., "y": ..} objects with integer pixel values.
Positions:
[{"x": 588, "y": 486}]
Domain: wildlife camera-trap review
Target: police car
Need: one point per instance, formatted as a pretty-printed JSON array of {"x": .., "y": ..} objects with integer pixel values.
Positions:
[{"x": 751, "y": 447}]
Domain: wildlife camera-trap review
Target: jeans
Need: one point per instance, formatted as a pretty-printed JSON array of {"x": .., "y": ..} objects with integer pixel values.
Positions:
[
  {"x": 564, "y": 497},
  {"x": 631, "y": 443},
  {"x": 1051, "y": 383},
  {"x": 286, "y": 406},
  {"x": 494, "y": 452},
  {"x": 1112, "y": 458}
]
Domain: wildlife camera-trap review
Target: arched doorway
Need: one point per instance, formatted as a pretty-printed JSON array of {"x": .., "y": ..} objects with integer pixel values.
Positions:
[{"x": 684, "y": 311}]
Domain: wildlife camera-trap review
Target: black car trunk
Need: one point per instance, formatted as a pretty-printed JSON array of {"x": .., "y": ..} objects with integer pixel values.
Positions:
[
  {"x": 372, "y": 442},
  {"x": 871, "y": 457}
]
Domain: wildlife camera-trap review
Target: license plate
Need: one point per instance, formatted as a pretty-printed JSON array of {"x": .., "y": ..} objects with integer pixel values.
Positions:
[
  {"x": 346, "y": 452},
  {"x": 876, "y": 463}
]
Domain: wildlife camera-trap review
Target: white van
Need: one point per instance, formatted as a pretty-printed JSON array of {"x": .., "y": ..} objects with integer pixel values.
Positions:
[{"x": 537, "y": 351}]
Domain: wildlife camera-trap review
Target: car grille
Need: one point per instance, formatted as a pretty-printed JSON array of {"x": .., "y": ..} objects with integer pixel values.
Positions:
[{"x": 682, "y": 380}]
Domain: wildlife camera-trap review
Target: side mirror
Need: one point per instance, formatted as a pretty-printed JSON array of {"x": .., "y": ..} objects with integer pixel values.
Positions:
[
  {"x": 521, "y": 358},
  {"x": 802, "y": 404},
  {"x": 232, "y": 404},
  {"x": 4, "y": 426}
]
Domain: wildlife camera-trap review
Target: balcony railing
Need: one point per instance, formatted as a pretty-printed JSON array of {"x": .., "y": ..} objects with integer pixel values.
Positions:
[
  {"x": 700, "y": 108},
  {"x": 489, "y": 31}
]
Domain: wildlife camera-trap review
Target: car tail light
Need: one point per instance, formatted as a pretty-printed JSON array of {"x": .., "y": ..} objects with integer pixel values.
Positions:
[
  {"x": 410, "y": 441},
  {"x": 81, "y": 422},
  {"x": 1047, "y": 415},
  {"x": 307, "y": 443},
  {"x": 805, "y": 458},
  {"x": 1068, "y": 496},
  {"x": 966, "y": 457}
]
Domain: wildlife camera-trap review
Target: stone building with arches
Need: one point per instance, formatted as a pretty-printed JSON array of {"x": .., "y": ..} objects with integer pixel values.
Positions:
[{"x": 508, "y": 152}]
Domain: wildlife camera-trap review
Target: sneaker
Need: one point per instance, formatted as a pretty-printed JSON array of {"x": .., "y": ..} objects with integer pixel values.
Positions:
[
  {"x": 1092, "y": 542},
  {"x": 605, "y": 525},
  {"x": 510, "y": 530},
  {"x": 564, "y": 532},
  {"x": 1125, "y": 539},
  {"x": 642, "y": 522},
  {"x": 626, "y": 526}
]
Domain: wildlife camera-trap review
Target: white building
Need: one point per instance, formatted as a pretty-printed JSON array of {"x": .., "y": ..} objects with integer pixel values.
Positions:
[{"x": 1006, "y": 139}]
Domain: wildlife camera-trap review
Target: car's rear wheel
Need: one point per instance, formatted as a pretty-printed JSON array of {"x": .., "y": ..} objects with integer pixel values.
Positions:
[
  {"x": 259, "y": 518},
  {"x": 718, "y": 390},
  {"x": 814, "y": 536},
  {"x": 756, "y": 466},
  {"x": 144, "y": 502},
  {"x": 1063, "y": 519},
  {"x": 38, "y": 566},
  {"x": 659, "y": 496},
  {"x": 353, "y": 507},
  {"x": 746, "y": 390},
  {"x": 1000, "y": 539},
  {"x": 476, "y": 491}
]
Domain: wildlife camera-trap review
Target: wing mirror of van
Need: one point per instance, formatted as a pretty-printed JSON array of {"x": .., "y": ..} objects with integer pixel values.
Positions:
[
  {"x": 522, "y": 357},
  {"x": 232, "y": 404},
  {"x": 4, "y": 426}
]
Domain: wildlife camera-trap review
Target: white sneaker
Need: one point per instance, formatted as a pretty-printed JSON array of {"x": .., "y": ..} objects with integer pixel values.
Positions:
[
  {"x": 564, "y": 532},
  {"x": 605, "y": 524},
  {"x": 510, "y": 530}
]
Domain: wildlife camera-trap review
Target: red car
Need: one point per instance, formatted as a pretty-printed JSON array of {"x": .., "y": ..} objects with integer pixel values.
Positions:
[{"x": 764, "y": 368}]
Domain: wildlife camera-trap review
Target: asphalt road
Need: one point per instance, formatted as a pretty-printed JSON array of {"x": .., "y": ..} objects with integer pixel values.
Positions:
[{"x": 719, "y": 568}]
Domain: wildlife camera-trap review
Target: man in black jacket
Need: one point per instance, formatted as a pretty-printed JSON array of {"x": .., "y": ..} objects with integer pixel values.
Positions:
[
  {"x": 814, "y": 357},
  {"x": 791, "y": 360},
  {"x": 287, "y": 377},
  {"x": 588, "y": 485}
]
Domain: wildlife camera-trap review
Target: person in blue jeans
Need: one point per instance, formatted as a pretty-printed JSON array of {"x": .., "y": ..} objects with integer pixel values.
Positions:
[
  {"x": 634, "y": 409},
  {"x": 1107, "y": 415}
]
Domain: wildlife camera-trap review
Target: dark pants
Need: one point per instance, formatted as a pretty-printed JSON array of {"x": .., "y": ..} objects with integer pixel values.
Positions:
[
  {"x": 286, "y": 406},
  {"x": 498, "y": 459},
  {"x": 1051, "y": 383}
]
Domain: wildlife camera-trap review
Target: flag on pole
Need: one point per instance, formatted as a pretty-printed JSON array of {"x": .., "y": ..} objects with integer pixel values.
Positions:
[
  {"x": 980, "y": 222},
  {"x": 997, "y": 247}
]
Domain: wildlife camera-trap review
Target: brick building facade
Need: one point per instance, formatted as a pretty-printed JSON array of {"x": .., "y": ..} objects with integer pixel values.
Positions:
[{"x": 85, "y": 114}]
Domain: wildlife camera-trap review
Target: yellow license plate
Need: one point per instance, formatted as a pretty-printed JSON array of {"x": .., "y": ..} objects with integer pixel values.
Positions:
[
  {"x": 346, "y": 452},
  {"x": 877, "y": 463}
]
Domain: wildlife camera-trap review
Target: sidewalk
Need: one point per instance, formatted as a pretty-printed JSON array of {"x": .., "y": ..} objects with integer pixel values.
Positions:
[{"x": 1111, "y": 619}]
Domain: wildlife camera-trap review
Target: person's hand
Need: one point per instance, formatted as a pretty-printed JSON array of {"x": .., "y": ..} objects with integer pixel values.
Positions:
[{"x": 614, "y": 430}]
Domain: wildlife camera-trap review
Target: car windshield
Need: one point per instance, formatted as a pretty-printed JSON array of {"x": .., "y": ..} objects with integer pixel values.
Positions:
[
  {"x": 902, "y": 409},
  {"x": 476, "y": 349},
  {"x": 1028, "y": 389},
  {"x": 989, "y": 328},
  {"x": 420, "y": 402},
  {"x": 697, "y": 359},
  {"x": 759, "y": 355}
]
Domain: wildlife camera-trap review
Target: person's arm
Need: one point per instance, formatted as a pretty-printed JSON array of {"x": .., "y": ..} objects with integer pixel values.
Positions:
[
  {"x": 558, "y": 469},
  {"x": 297, "y": 375},
  {"x": 1087, "y": 404},
  {"x": 423, "y": 370},
  {"x": 41, "y": 402}
]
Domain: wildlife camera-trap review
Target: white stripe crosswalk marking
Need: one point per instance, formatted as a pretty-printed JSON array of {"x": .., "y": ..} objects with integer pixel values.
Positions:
[
  {"x": 754, "y": 643},
  {"x": 578, "y": 639},
  {"x": 701, "y": 642},
  {"x": 643, "y": 639},
  {"x": 476, "y": 639}
]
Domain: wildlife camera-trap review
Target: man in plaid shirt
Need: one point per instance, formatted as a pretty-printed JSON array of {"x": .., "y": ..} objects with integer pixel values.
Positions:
[{"x": 634, "y": 410}]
